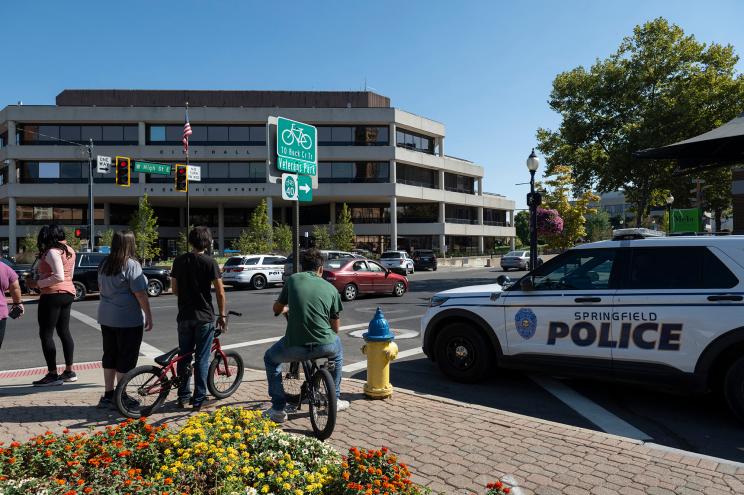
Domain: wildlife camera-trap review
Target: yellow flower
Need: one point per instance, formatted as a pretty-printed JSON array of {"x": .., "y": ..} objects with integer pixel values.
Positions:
[
  {"x": 210, "y": 461},
  {"x": 265, "y": 489}
]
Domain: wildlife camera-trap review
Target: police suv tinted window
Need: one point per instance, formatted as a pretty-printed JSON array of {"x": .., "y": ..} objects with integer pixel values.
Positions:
[
  {"x": 390, "y": 254},
  {"x": 577, "y": 270},
  {"x": 233, "y": 261},
  {"x": 273, "y": 260},
  {"x": 678, "y": 267}
]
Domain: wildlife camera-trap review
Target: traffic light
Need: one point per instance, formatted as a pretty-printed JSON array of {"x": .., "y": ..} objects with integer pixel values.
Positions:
[
  {"x": 123, "y": 175},
  {"x": 182, "y": 178},
  {"x": 81, "y": 233}
]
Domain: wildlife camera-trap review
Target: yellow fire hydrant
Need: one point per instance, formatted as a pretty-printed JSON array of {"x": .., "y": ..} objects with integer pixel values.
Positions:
[{"x": 380, "y": 350}]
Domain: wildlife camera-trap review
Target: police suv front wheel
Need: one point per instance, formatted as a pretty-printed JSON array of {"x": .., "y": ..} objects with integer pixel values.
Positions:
[
  {"x": 733, "y": 388},
  {"x": 462, "y": 353}
]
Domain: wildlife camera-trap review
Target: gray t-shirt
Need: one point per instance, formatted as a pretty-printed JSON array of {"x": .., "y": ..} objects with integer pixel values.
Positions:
[{"x": 118, "y": 306}]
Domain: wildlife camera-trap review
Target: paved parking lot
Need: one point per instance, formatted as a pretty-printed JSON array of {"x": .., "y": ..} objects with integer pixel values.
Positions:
[{"x": 699, "y": 424}]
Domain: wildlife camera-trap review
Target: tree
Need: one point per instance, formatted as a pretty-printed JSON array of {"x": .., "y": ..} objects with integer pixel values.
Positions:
[
  {"x": 282, "y": 238},
  {"x": 322, "y": 237},
  {"x": 573, "y": 212},
  {"x": 106, "y": 237},
  {"x": 72, "y": 241},
  {"x": 144, "y": 224},
  {"x": 182, "y": 243},
  {"x": 28, "y": 249},
  {"x": 598, "y": 226},
  {"x": 343, "y": 237},
  {"x": 659, "y": 87},
  {"x": 522, "y": 225},
  {"x": 549, "y": 225},
  {"x": 258, "y": 238}
]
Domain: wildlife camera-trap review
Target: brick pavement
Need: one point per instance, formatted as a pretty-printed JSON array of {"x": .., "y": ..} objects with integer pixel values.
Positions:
[{"x": 453, "y": 448}]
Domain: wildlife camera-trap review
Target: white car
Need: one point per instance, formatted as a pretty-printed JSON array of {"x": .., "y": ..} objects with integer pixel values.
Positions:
[
  {"x": 397, "y": 261},
  {"x": 257, "y": 271},
  {"x": 665, "y": 310}
]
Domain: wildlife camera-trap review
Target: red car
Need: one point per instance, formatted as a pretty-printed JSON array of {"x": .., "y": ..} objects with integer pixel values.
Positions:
[{"x": 352, "y": 276}]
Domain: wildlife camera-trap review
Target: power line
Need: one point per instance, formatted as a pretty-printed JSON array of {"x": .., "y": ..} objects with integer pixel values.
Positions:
[{"x": 52, "y": 137}]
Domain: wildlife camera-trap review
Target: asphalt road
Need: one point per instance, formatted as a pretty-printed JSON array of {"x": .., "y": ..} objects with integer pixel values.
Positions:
[{"x": 699, "y": 424}]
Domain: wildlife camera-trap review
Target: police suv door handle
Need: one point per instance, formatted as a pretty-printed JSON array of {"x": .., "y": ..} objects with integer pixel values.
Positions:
[
  {"x": 725, "y": 297},
  {"x": 587, "y": 299}
]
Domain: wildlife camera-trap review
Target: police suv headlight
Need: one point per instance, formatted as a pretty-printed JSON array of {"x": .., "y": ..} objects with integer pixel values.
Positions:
[{"x": 437, "y": 301}]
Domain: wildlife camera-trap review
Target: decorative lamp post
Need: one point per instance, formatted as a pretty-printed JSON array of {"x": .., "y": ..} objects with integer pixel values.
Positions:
[
  {"x": 533, "y": 201},
  {"x": 670, "y": 200}
]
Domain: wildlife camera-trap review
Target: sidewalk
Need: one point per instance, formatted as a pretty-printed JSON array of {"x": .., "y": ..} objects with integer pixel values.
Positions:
[{"x": 453, "y": 448}]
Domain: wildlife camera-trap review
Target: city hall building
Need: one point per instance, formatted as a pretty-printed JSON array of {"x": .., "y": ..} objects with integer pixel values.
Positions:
[{"x": 389, "y": 166}]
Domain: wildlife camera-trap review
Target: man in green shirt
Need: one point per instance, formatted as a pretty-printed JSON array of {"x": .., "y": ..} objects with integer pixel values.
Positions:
[{"x": 313, "y": 308}]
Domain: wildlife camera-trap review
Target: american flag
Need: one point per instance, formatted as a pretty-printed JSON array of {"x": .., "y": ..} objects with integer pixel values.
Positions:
[{"x": 186, "y": 133}]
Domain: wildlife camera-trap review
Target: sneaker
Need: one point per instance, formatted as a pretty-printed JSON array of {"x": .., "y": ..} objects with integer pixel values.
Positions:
[
  {"x": 275, "y": 416},
  {"x": 48, "y": 380},
  {"x": 197, "y": 406},
  {"x": 68, "y": 376},
  {"x": 342, "y": 405},
  {"x": 182, "y": 403},
  {"x": 106, "y": 403}
]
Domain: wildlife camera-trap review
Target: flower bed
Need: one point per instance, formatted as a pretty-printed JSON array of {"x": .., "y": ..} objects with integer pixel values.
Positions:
[{"x": 230, "y": 451}]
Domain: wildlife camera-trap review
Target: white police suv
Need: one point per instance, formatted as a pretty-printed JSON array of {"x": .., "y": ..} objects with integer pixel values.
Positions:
[
  {"x": 666, "y": 310},
  {"x": 257, "y": 271}
]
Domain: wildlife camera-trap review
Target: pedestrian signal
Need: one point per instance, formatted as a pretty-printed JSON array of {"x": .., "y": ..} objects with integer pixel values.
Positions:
[
  {"x": 123, "y": 171},
  {"x": 81, "y": 233},
  {"x": 182, "y": 178}
]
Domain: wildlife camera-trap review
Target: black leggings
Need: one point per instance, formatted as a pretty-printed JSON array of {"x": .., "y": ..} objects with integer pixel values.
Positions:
[{"x": 54, "y": 312}]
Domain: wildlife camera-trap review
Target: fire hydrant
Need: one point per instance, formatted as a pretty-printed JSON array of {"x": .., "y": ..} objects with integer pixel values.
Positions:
[{"x": 380, "y": 350}]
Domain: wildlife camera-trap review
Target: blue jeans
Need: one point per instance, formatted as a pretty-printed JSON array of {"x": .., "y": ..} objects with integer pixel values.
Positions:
[
  {"x": 279, "y": 353},
  {"x": 195, "y": 336}
]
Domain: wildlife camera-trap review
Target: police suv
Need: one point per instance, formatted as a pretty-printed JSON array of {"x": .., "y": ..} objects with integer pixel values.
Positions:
[
  {"x": 257, "y": 271},
  {"x": 665, "y": 310}
]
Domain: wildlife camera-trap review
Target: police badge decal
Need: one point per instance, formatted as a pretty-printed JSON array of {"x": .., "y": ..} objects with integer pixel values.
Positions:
[{"x": 526, "y": 322}]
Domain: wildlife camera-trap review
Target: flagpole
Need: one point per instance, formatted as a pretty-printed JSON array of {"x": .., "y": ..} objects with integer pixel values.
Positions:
[{"x": 188, "y": 205}]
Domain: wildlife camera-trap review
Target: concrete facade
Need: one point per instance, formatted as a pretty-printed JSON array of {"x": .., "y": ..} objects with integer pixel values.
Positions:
[{"x": 455, "y": 215}]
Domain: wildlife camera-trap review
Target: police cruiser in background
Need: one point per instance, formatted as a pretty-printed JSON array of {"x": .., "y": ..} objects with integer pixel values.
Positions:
[
  {"x": 256, "y": 271},
  {"x": 638, "y": 308}
]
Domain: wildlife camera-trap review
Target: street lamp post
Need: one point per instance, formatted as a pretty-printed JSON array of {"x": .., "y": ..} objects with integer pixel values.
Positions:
[
  {"x": 669, "y": 201},
  {"x": 533, "y": 201}
]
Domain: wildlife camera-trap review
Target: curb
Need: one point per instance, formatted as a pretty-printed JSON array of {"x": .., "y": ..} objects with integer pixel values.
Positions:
[{"x": 91, "y": 365}]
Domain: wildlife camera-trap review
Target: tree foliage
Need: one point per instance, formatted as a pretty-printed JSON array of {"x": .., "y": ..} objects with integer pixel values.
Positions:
[
  {"x": 258, "y": 238},
  {"x": 343, "y": 236},
  {"x": 72, "y": 241},
  {"x": 322, "y": 237},
  {"x": 182, "y": 243},
  {"x": 28, "y": 249},
  {"x": 598, "y": 226},
  {"x": 106, "y": 237},
  {"x": 659, "y": 87},
  {"x": 144, "y": 224},
  {"x": 522, "y": 225},
  {"x": 283, "y": 239},
  {"x": 573, "y": 212}
]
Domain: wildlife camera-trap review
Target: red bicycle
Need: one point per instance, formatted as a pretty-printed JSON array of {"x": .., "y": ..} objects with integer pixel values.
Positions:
[{"x": 144, "y": 389}]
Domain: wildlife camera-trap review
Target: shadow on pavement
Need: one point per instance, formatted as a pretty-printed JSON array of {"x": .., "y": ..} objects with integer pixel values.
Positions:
[
  {"x": 23, "y": 390},
  {"x": 439, "y": 284}
]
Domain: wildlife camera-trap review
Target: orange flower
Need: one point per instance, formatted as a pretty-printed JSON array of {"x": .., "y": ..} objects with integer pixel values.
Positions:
[
  {"x": 87, "y": 489},
  {"x": 168, "y": 481},
  {"x": 15, "y": 444}
]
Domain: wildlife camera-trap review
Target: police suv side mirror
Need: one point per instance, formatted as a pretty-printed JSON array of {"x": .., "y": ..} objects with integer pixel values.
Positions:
[
  {"x": 527, "y": 284},
  {"x": 503, "y": 279}
]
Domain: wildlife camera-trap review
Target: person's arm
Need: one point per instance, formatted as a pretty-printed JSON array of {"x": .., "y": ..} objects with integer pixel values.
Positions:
[
  {"x": 280, "y": 305},
  {"x": 174, "y": 286},
  {"x": 336, "y": 309},
  {"x": 144, "y": 302},
  {"x": 15, "y": 294},
  {"x": 54, "y": 258},
  {"x": 219, "y": 290}
]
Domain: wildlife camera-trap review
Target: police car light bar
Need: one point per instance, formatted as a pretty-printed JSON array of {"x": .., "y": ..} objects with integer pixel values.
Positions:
[{"x": 635, "y": 233}]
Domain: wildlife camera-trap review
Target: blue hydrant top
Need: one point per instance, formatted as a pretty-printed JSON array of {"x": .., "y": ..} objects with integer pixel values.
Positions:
[{"x": 378, "y": 330}]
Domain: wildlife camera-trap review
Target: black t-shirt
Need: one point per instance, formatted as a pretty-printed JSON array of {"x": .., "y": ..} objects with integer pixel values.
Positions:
[{"x": 194, "y": 274}]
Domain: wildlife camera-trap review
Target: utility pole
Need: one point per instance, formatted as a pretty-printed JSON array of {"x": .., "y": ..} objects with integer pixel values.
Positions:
[{"x": 91, "y": 207}]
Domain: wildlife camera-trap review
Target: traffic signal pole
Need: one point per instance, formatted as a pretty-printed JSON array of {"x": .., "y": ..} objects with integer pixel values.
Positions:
[
  {"x": 296, "y": 247},
  {"x": 91, "y": 207}
]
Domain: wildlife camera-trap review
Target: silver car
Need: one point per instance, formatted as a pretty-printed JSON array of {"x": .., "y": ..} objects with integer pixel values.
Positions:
[{"x": 517, "y": 259}]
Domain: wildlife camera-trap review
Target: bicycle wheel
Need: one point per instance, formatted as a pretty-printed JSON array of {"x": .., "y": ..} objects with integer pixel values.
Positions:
[
  {"x": 287, "y": 137},
  {"x": 323, "y": 404},
  {"x": 306, "y": 141},
  {"x": 141, "y": 391},
  {"x": 219, "y": 384},
  {"x": 292, "y": 381}
]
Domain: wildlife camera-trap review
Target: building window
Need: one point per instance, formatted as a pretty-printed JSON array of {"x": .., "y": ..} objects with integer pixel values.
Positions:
[
  {"x": 220, "y": 173},
  {"x": 208, "y": 135},
  {"x": 360, "y": 135},
  {"x": 413, "y": 141},
  {"x": 459, "y": 183},
  {"x": 417, "y": 176},
  {"x": 494, "y": 217},
  {"x": 62, "y": 173},
  {"x": 461, "y": 214},
  {"x": 168, "y": 217},
  {"x": 315, "y": 215},
  {"x": 367, "y": 213},
  {"x": 461, "y": 245},
  {"x": 236, "y": 217},
  {"x": 63, "y": 215},
  {"x": 3, "y": 140},
  {"x": 353, "y": 172},
  {"x": 70, "y": 135},
  {"x": 418, "y": 213}
]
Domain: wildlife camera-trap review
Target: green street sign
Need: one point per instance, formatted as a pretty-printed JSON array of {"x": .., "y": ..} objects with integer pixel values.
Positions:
[
  {"x": 296, "y": 147},
  {"x": 152, "y": 168},
  {"x": 686, "y": 220},
  {"x": 305, "y": 188}
]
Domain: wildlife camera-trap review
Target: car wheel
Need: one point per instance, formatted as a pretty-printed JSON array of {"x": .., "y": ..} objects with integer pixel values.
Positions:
[
  {"x": 80, "y": 291},
  {"x": 733, "y": 388},
  {"x": 258, "y": 282},
  {"x": 154, "y": 288},
  {"x": 399, "y": 289},
  {"x": 463, "y": 354},
  {"x": 350, "y": 292}
]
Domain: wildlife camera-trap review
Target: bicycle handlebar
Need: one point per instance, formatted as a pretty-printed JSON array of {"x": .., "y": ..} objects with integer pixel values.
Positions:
[{"x": 234, "y": 313}]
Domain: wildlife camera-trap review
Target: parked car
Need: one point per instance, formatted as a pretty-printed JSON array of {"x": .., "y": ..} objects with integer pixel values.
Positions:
[
  {"x": 21, "y": 270},
  {"x": 327, "y": 254},
  {"x": 424, "y": 258},
  {"x": 257, "y": 271},
  {"x": 517, "y": 259},
  {"x": 85, "y": 276},
  {"x": 398, "y": 261},
  {"x": 352, "y": 276}
]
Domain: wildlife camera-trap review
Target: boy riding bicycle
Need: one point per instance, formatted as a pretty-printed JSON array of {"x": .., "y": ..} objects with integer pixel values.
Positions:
[{"x": 312, "y": 330}]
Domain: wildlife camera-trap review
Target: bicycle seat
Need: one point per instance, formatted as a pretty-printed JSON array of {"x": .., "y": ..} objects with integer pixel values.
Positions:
[{"x": 164, "y": 359}]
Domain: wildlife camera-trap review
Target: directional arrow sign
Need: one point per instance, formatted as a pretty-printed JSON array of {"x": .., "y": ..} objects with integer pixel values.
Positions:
[
  {"x": 289, "y": 187},
  {"x": 104, "y": 164},
  {"x": 305, "y": 188}
]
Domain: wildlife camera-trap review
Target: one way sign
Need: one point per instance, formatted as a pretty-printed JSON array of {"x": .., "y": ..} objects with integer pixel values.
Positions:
[{"x": 305, "y": 186}]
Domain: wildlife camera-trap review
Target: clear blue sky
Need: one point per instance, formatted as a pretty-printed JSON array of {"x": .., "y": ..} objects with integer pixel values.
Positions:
[{"x": 482, "y": 68}]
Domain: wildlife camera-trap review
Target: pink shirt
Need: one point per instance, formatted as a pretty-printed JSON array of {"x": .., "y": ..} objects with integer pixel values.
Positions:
[
  {"x": 55, "y": 272},
  {"x": 7, "y": 277}
]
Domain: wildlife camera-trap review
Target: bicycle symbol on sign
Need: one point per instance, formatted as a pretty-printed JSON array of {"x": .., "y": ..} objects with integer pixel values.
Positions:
[
  {"x": 290, "y": 187},
  {"x": 289, "y": 136}
]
